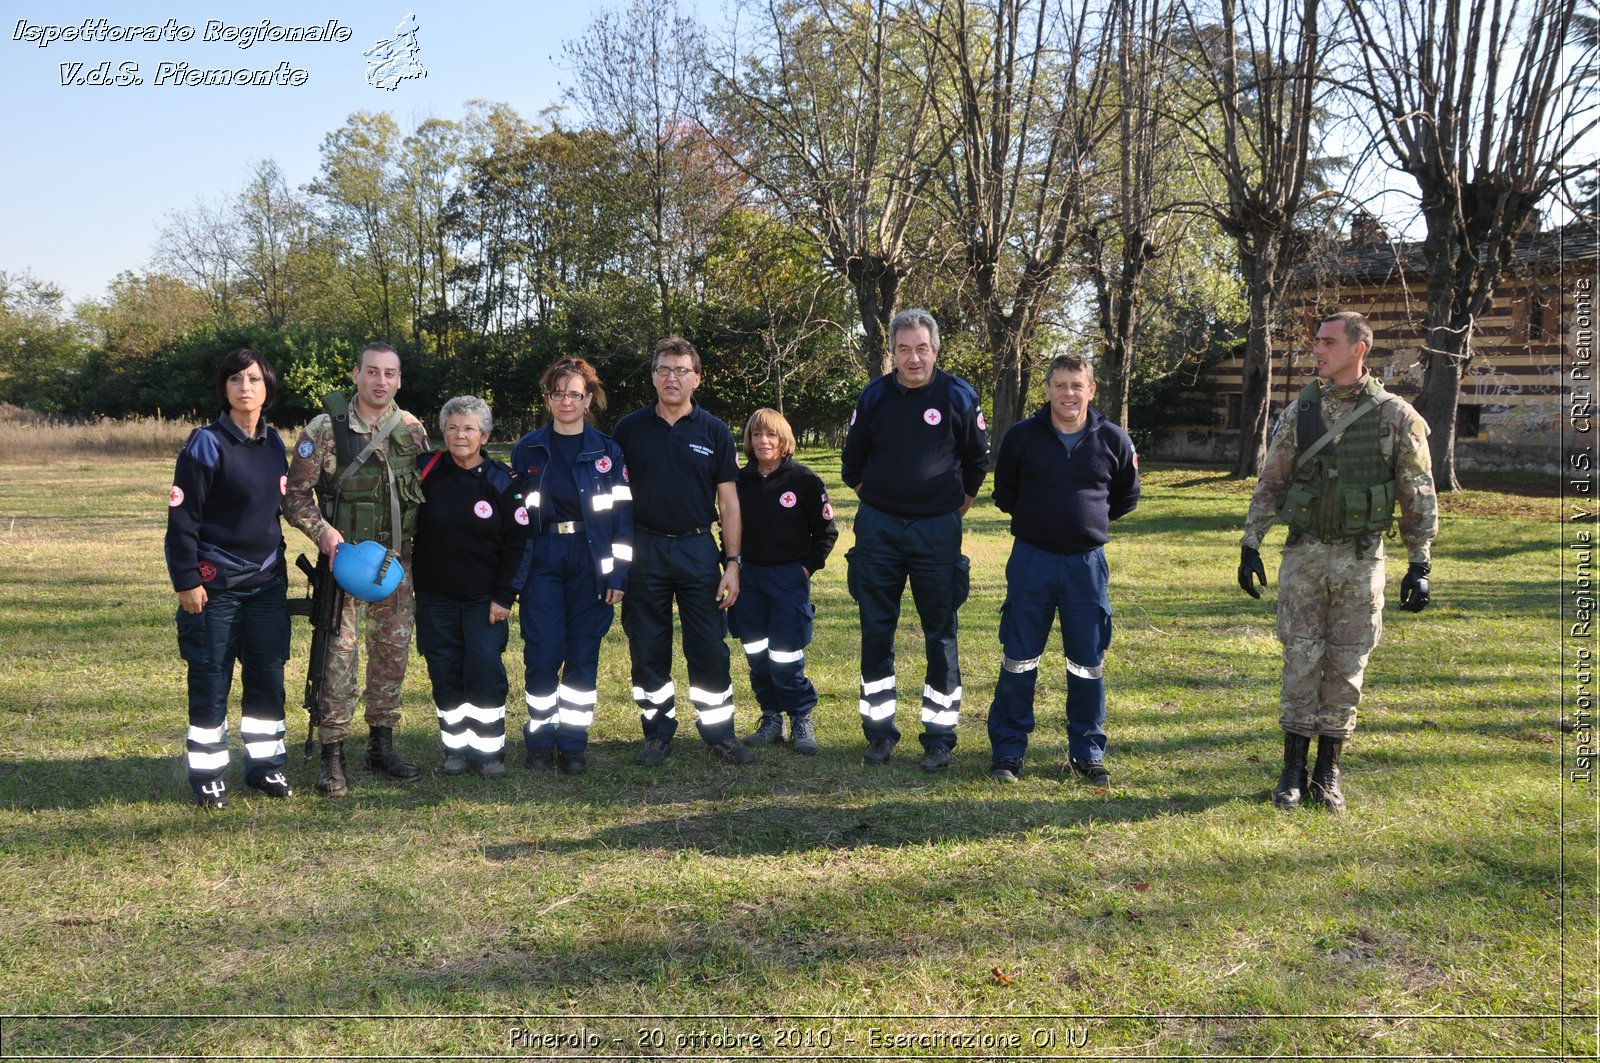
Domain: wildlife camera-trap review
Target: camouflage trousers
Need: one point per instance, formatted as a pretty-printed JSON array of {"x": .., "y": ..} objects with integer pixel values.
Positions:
[
  {"x": 389, "y": 624},
  {"x": 1330, "y": 614}
]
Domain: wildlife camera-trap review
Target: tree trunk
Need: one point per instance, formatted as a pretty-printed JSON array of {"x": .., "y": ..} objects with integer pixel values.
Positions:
[
  {"x": 1448, "y": 351},
  {"x": 1256, "y": 387},
  {"x": 877, "y": 285}
]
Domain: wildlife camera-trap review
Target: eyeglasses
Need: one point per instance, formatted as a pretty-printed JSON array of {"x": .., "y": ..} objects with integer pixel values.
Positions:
[
  {"x": 569, "y": 396},
  {"x": 679, "y": 371}
]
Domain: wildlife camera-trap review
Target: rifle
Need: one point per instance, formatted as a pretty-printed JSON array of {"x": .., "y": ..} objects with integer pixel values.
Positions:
[{"x": 324, "y": 605}]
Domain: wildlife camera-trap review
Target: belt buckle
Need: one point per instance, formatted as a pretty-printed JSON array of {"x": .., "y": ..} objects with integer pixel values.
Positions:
[{"x": 566, "y": 527}]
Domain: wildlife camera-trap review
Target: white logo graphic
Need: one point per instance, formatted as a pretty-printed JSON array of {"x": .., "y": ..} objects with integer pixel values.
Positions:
[
  {"x": 603, "y": 465},
  {"x": 283, "y": 485},
  {"x": 395, "y": 60},
  {"x": 852, "y": 417},
  {"x": 521, "y": 516},
  {"x": 827, "y": 511},
  {"x": 483, "y": 509},
  {"x": 932, "y": 416},
  {"x": 787, "y": 500},
  {"x": 175, "y": 496},
  {"x": 305, "y": 449},
  {"x": 982, "y": 425}
]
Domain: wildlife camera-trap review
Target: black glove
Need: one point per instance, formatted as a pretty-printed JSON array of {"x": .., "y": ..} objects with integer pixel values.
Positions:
[
  {"x": 1250, "y": 565},
  {"x": 1414, "y": 588}
]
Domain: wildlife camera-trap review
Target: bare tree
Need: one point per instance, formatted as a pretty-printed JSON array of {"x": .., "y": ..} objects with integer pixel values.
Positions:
[
  {"x": 1486, "y": 104},
  {"x": 829, "y": 111},
  {"x": 1129, "y": 221},
  {"x": 1261, "y": 63},
  {"x": 640, "y": 76}
]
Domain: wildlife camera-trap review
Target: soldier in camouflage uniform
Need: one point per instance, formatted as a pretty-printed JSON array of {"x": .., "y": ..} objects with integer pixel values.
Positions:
[
  {"x": 359, "y": 458},
  {"x": 1338, "y": 500}
]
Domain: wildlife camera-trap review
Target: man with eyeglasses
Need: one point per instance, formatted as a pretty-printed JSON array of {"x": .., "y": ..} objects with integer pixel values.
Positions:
[
  {"x": 916, "y": 454},
  {"x": 682, "y": 465}
]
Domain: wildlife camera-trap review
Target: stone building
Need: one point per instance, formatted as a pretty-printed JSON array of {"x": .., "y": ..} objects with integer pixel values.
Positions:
[{"x": 1510, "y": 410}]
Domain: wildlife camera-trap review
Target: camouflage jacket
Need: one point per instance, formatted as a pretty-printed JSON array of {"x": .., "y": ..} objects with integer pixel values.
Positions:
[
  {"x": 1407, "y": 453},
  {"x": 316, "y": 461}
]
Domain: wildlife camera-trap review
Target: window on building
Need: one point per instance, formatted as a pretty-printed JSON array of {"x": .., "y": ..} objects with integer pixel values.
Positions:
[{"x": 1467, "y": 423}]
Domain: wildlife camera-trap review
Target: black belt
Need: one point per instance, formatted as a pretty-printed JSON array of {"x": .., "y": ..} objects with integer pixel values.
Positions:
[
  {"x": 565, "y": 527},
  {"x": 691, "y": 533}
]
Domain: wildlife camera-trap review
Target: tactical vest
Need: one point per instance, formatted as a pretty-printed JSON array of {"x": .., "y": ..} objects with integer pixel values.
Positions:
[
  {"x": 358, "y": 503},
  {"x": 1347, "y": 488}
]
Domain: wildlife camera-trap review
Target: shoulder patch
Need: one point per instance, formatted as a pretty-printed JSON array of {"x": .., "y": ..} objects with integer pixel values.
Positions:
[
  {"x": 175, "y": 497},
  {"x": 305, "y": 448}
]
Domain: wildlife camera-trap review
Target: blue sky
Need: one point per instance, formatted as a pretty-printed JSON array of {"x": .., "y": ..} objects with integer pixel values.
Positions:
[{"x": 93, "y": 171}]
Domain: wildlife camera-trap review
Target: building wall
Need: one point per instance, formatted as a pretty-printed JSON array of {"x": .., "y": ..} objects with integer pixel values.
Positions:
[{"x": 1511, "y": 392}]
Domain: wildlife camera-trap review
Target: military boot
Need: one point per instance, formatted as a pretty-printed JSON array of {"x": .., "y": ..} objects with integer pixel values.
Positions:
[
  {"x": 1325, "y": 776},
  {"x": 1292, "y": 783},
  {"x": 331, "y": 783},
  {"x": 769, "y": 731},
  {"x": 381, "y": 756},
  {"x": 804, "y": 735}
]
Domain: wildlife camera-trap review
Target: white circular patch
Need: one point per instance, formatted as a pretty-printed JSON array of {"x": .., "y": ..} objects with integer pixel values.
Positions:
[
  {"x": 787, "y": 500},
  {"x": 305, "y": 448},
  {"x": 983, "y": 426},
  {"x": 852, "y": 417},
  {"x": 827, "y": 511},
  {"x": 483, "y": 509},
  {"x": 932, "y": 416},
  {"x": 603, "y": 465},
  {"x": 283, "y": 485},
  {"x": 175, "y": 496},
  {"x": 521, "y": 516}
]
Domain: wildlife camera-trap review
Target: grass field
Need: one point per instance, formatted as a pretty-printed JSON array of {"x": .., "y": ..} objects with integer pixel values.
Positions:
[{"x": 813, "y": 907}]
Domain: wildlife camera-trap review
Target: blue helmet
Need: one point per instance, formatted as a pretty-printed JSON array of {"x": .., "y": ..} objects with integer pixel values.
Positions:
[{"x": 367, "y": 570}]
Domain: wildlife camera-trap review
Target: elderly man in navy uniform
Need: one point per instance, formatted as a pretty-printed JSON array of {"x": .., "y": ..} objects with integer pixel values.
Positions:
[
  {"x": 683, "y": 468},
  {"x": 1064, "y": 475},
  {"x": 915, "y": 454},
  {"x": 1342, "y": 457}
]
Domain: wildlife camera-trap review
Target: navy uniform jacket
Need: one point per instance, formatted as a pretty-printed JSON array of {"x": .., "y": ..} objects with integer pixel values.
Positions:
[
  {"x": 1059, "y": 502},
  {"x": 916, "y": 452},
  {"x": 469, "y": 542},
  {"x": 787, "y": 516},
  {"x": 227, "y": 492},
  {"x": 603, "y": 491}
]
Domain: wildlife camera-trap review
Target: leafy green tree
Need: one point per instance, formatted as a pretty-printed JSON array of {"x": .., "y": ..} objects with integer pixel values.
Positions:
[{"x": 42, "y": 354}]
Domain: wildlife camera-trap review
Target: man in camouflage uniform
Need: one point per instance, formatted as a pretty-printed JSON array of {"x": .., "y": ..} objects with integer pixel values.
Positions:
[
  {"x": 359, "y": 457},
  {"x": 1341, "y": 456}
]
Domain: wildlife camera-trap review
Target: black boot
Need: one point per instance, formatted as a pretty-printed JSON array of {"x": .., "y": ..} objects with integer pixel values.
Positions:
[
  {"x": 1325, "y": 776},
  {"x": 1292, "y": 783},
  {"x": 332, "y": 782},
  {"x": 381, "y": 756},
  {"x": 769, "y": 731}
]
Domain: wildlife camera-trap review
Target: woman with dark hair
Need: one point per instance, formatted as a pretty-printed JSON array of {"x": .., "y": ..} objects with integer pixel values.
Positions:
[
  {"x": 579, "y": 511},
  {"x": 464, "y": 565},
  {"x": 224, "y": 552},
  {"x": 788, "y": 534}
]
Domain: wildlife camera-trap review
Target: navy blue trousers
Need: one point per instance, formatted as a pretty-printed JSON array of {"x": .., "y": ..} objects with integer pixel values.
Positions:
[
  {"x": 927, "y": 551},
  {"x": 687, "y": 570},
  {"x": 466, "y": 665},
  {"x": 564, "y": 617},
  {"x": 251, "y": 627},
  {"x": 1039, "y": 586},
  {"x": 772, "y": 617}
]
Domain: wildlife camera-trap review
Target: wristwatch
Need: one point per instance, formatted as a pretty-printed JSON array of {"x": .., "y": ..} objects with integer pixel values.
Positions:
[{"x": 736, "y": 559}]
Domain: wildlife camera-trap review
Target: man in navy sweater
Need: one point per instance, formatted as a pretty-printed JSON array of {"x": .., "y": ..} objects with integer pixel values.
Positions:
[
  {"x": 916, "y": 455},
  {"x": 1064, "y": 475}
]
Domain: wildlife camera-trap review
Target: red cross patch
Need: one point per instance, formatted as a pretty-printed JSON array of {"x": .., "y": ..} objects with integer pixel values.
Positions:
[
  {"x": 787, "y": 500},
  {"x": 827, "y": 511},
  {"x": 932, "y": 416},
  {"x": 483, "y": 509},
  {"x": 208, "y": 572},
  {"x": 603, "y": 465},
  {"x": 283, "y": 485},
  {"x": 521, "y": 516},
  {"x": 175, "y": 496},
  {"x": 983, "y": 425}
]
